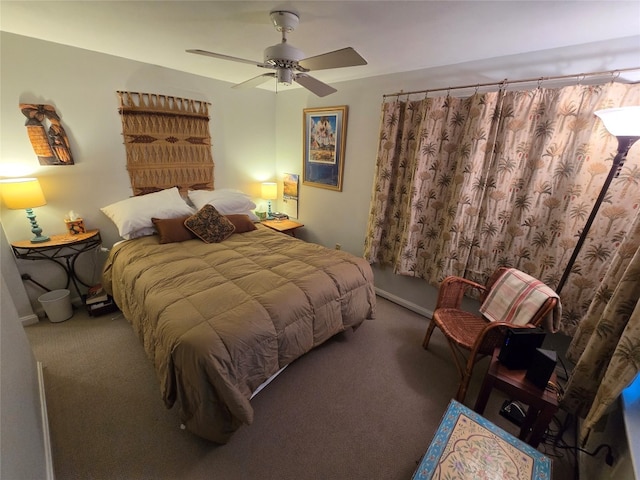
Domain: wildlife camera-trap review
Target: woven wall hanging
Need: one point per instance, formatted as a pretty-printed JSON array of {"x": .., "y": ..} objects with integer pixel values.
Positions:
[{"x": 167, "y": 142}]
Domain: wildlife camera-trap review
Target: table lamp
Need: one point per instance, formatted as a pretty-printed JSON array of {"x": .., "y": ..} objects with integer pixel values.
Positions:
[
  {"x": 624, "y": 123},
  {"x": 19, "y": 193},
  {"x": 269, "y": 192}
]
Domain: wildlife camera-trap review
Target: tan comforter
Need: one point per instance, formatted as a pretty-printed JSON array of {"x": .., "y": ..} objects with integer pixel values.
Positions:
[{"x": 219, "y": 319}]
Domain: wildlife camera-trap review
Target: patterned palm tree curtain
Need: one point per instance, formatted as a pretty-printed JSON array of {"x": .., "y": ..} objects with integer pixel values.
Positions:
[
  {"x": 505, "y": 178},
  {"x": 606, "y": 346},
  {"x": 167, "y": 141}
]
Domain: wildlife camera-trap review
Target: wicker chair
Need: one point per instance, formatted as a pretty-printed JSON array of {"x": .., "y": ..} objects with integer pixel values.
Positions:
[{"x": 468, "y": 331}]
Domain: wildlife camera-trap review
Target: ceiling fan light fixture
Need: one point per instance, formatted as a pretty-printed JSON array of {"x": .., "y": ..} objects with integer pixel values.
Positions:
[{"x": 285, "y": 76}]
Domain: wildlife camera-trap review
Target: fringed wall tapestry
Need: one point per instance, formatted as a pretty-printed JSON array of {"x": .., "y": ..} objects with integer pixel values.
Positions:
[
  {"x": 48, "y": 138},
  {"x": 167, "y": 142}
]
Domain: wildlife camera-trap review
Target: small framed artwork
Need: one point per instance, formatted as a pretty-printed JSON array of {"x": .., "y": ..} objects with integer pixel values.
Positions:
[
  {"x": 325, "y": 136},
  {"x": 290, "y": 195}
]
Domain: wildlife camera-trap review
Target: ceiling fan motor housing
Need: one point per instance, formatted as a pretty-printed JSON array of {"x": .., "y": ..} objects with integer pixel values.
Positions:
[{"x": 283, "y": 55}]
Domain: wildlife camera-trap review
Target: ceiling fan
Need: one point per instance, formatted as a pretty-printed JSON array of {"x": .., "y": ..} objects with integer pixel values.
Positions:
[{"x": 289, "y": 63}]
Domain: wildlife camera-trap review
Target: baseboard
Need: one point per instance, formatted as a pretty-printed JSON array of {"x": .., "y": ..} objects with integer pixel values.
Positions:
[
  {"x": 29, "y": 320},
  {"x": 425, "y": 312},
  {"x": 45, "y": 425}
]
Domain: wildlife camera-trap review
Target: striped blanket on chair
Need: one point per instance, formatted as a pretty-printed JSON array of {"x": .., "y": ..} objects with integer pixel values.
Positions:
[{"x": 516, "y": 297}]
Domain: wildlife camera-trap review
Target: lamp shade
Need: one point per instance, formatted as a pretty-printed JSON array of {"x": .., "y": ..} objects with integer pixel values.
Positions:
[
  {"x": 20, "y": 193},
  {"x": 269, "y": 190},
  {"x": 621, "y": 122}
]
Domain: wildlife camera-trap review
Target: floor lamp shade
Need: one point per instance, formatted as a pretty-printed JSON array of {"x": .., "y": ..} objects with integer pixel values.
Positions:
[
  {"x": 25, "y": 193},
  {"x": 269, "y": 192},
  {"x": 621, "y": 122}
]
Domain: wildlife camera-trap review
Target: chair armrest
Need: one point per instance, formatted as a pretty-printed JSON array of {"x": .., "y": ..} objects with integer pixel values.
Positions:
[{"x": 453, "y": 289}]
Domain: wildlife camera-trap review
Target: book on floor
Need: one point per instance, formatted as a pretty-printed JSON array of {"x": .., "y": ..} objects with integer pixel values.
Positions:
[{"x": 96, "y": 294}]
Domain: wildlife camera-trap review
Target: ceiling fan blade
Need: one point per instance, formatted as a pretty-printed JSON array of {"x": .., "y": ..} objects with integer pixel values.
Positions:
[
  {"x": 346, "y": 57},
  {"x": 314, "y": 85},
  {"x": 227, "y": 57},
  {"x": 255, "y": 81}
]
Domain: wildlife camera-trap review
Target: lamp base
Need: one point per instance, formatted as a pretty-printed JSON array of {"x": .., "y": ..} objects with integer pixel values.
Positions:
[
  {"x": 35, "y": 228},
  {"x": 40, "y": 239}
]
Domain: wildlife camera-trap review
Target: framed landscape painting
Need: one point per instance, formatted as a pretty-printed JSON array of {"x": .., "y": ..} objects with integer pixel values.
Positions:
[{"x": 325, "y": 135}]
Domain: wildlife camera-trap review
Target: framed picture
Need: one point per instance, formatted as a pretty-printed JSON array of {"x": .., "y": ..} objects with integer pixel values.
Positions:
[
  {"x": 290, "y": 195},
  {"x": 325, "y": 136}
]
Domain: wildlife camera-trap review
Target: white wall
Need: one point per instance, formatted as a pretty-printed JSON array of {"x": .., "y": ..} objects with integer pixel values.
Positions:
[
  {"x": 82, "y": 86},
  {"x": 22, "y": 446},
  {"x": 341, "y": 217},
  {"x": 257, "y": 135},
  {"x": 11, "y": 274}
]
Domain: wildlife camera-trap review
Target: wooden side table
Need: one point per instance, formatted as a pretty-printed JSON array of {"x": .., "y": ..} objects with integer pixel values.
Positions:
[
  {"x": 284, "y": 226},
  {"x": 543, "y": 404},
  {"x": 65, "y": 247}
]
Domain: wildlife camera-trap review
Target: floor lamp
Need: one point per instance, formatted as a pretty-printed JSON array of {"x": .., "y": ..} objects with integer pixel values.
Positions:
[{"x": 624, "y": 123}]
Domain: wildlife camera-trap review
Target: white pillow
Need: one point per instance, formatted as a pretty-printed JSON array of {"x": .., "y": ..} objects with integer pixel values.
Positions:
[
  {"x": 227, "y": 201},
  {"x": 133, "y": 214},
  {"x": 143, "y": 232}
]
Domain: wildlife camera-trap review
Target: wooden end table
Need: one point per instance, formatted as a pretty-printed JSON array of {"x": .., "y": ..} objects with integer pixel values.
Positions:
[
  {"x": 543, "y": 404},
  {"x": 284, "y": 226},
  {"x": 65, "y": 247}
]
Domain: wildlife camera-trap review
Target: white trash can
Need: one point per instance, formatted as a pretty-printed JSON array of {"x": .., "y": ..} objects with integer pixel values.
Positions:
[{"x": 57, "y": 305}]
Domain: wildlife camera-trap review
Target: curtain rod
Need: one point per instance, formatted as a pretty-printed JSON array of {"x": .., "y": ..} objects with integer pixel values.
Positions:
[{"x": 579, "y": 76}]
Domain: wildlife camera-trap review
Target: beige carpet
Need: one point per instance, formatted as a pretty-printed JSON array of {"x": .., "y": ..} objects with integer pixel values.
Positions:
[{"x": 363, "y": 406}]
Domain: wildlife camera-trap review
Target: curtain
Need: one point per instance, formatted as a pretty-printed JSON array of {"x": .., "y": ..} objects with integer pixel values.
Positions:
[
  {"x": 507, "y": 178},
  {"x": 606, "y": 347}
]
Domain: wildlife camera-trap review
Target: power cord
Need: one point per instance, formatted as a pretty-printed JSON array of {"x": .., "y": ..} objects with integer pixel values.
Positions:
[
  {"x": 554, "y": 441},
  {"x": 609, "y": 459}
]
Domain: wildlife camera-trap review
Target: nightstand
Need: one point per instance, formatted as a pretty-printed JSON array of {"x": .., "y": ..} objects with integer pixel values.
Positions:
[
  {"x": 543, "y": 404},
  {"x": 284, "y": 226},
  {"x": 59, "y": 247}
]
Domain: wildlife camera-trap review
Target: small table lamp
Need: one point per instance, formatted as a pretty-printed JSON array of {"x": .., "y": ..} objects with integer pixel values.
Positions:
[
  {"x": 269, "y": 192},
  {"x": 19, "y": 193}
]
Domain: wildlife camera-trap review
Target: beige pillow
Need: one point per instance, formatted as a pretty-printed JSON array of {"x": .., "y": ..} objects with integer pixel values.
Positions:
[
  {"x": 209, "y": 225},
  {"x": 242, "y": 223},
  {"x": 172, "y": 229}
]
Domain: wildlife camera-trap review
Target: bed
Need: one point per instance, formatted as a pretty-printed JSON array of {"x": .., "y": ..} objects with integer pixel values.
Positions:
[{"x": 218, "y": 320}]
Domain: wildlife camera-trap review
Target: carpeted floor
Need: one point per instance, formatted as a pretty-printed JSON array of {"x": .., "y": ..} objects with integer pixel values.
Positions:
[{"x": 365, "y": 405}]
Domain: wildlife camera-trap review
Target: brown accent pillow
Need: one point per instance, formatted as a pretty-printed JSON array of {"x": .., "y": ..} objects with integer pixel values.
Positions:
[
  {"x": 242, "y": 223},
  {"x": 210, "y": 225},
  {"x": 172, "y": 229}
]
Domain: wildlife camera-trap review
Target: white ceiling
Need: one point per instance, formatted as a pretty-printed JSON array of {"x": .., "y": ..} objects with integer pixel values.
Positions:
[{"x": 393, "y": 36}]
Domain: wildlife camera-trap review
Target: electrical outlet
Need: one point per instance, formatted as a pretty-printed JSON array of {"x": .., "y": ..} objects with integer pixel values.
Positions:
[{"x": 338, "y": 246}]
